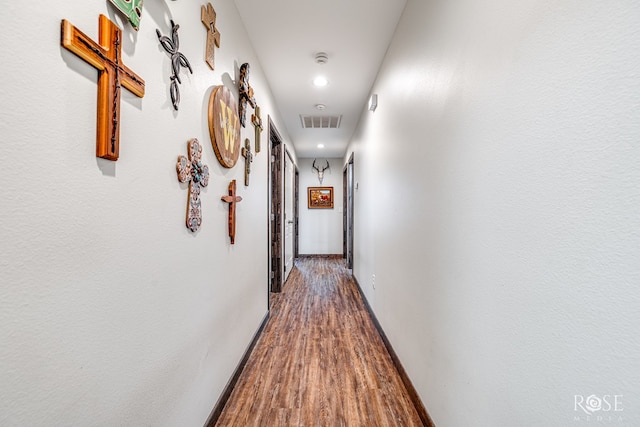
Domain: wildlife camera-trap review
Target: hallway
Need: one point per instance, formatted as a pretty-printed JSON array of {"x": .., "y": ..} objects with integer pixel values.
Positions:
[{"x": 320, "y": 360}]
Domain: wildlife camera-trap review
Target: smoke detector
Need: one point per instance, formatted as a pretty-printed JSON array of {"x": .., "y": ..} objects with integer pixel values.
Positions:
[{"x": 322, "y": 58}]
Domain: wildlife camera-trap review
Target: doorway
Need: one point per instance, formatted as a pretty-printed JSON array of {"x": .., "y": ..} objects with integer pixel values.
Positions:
[
  {"x": 347, "y": 218},
  {"x": 283, "y": 211},
  {"x": 296, "y": 209},
  {"x": 275, "y": 209},
  {"x": 289, "y": 214}
]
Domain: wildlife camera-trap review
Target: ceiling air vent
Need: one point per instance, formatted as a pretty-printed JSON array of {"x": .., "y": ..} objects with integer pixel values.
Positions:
[{"x": 320, "y": 122}]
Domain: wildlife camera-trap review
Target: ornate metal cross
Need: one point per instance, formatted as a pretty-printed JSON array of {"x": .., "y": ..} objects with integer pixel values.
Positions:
[
  {"x": 256, "y": 120},
  {"x": 172, "y": 46},
  {"x": 245, "y": 92},
  {"x": 192, "y": 170},
  {"x": 208, "y": 17},
  {"x": 248, "y": 158},
  {"x": 232, "y": 199},
  {"x": 112, "y": 74}
]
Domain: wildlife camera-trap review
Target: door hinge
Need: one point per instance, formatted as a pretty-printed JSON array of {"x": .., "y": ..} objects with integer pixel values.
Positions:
[
  {"x": 273, "y": 158},
  {"x": 273, "y": 275}
]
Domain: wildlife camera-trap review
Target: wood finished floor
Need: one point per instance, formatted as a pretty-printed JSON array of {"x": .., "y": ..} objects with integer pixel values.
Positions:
[{"x": 320, "y": 360}]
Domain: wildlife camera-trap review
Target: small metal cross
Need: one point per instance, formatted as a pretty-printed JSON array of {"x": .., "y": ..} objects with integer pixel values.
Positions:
[
  {"x": 248, "y": 158},
  {"x": 256, "y": 120}
]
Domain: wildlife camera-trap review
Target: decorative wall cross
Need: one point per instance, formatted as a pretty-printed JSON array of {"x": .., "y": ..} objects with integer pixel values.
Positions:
[
  {"x": 248, "y": 158},
  {"x": 224, "y": 126},
  {"x": 132, "y": 9},
  {"x": 172, "y": 45},
  {"x": 245, "y": 93},
  {"x": 192, "y": 170},
  {"x": 208, "y": 17},
  {"x": 232, "y": 199},
  {"x": 256, "y": 120},
  {"x": 112, "y": 74}
]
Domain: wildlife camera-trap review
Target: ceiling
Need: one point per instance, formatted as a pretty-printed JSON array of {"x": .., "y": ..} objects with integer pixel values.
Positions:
[{"x": 287, "y": 35}]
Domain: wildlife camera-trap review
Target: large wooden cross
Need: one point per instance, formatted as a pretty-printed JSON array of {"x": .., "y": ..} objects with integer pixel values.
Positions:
[
  {"x": 232, "y": 199},
  {"x": 208, "y": 17},
  {"x": 112, "y": 74},
  {"x": 256, "y": 120},
  {"x": 248, "y": 158}
]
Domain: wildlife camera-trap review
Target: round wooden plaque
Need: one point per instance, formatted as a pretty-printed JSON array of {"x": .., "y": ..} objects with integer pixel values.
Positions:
[{"x": 224, "y": 126}]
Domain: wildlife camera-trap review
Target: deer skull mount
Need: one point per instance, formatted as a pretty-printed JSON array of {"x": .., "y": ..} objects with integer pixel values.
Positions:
[{"x": 321, "y": 170}]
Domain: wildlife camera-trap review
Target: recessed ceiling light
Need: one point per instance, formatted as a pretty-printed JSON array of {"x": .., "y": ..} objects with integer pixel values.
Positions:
[
  {"x": 321, "y": 107},
  {"x": 320, "y": 145},
  {"x": 320, "y": 81}
]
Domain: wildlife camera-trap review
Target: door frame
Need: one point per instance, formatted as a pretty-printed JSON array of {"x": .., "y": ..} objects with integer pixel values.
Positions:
[
  {"x": 348, "y": 195},
  {"x": 275, "y": 219},
  {"x": 289, "y": 158},
  {"x": 296, "y": 213}
]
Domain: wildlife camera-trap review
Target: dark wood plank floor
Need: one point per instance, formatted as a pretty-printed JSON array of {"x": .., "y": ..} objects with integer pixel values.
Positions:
[{"x": 320, "y": 360}]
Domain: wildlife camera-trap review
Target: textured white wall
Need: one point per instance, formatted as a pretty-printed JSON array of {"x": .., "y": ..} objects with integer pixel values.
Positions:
[
  {"x": 503, "y": 228},
  {"x": 111, "y": 311},
  {"x": 320, "y": 229}
]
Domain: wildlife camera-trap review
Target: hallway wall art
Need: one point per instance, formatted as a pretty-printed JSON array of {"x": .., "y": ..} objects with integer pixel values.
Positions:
[
  {"x": 256, "y": 121},
  {"x": 224, "y": 126},
  {"x": 172, "y": 46},
  {"x": 232, "y": 199},
  {"x": 208, "y": 17},
  {"x": 245, "y": 92},
  {"x": 105, "y": 56},
  {"x": 132, "y": 10},
  {"x": 248, "y": 159},
  {"x": 320, "y": 197},
  {"x": 192, "y": 170}
]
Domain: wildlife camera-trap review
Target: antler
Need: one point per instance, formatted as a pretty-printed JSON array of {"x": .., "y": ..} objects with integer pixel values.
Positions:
[{"x": 320, "y": 171}]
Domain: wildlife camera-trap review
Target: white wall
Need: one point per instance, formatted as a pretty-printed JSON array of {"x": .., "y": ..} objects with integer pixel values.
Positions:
[
  {"x": 320, "y": 229},
  {"x": 111, "y": 311},
  {"x": 503, "y": 229}
]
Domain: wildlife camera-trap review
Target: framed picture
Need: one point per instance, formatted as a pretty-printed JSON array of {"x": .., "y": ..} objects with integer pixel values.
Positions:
[{"x": 320, "y": 197}]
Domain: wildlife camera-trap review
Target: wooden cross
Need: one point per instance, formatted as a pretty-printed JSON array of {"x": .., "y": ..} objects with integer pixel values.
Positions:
[
  {"x": 256, "y": 120},
  {"x": 248, "y": 158},
  {"x": 208, "y": 17},
  {"x": 232, "y": 199},
  {"x": 112, "y": 74},
  {"x": 197, "y": 175},
  {"x": 245, "y": 92}
]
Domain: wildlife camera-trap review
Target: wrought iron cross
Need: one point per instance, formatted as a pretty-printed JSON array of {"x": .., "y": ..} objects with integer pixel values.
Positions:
[
  {"x": 248, "y": 158},
  {"x": 172, "y": 46},
  {"x": 232, "y": 199},
  {"x": 192, "y": 170},
  {"x": 256, "y": 120},
  {"x": 112, "y": 74},
  {"x": 208, "y": 17}
]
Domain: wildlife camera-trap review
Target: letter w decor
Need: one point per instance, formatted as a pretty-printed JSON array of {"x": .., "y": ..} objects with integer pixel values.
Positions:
[
  {"x": 112, "y": 74},
  {"x": 224, "y": 126}
]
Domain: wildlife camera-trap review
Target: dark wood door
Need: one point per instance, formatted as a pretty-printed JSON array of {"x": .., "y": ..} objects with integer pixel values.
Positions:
[{"x": 276, "y": 209}]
